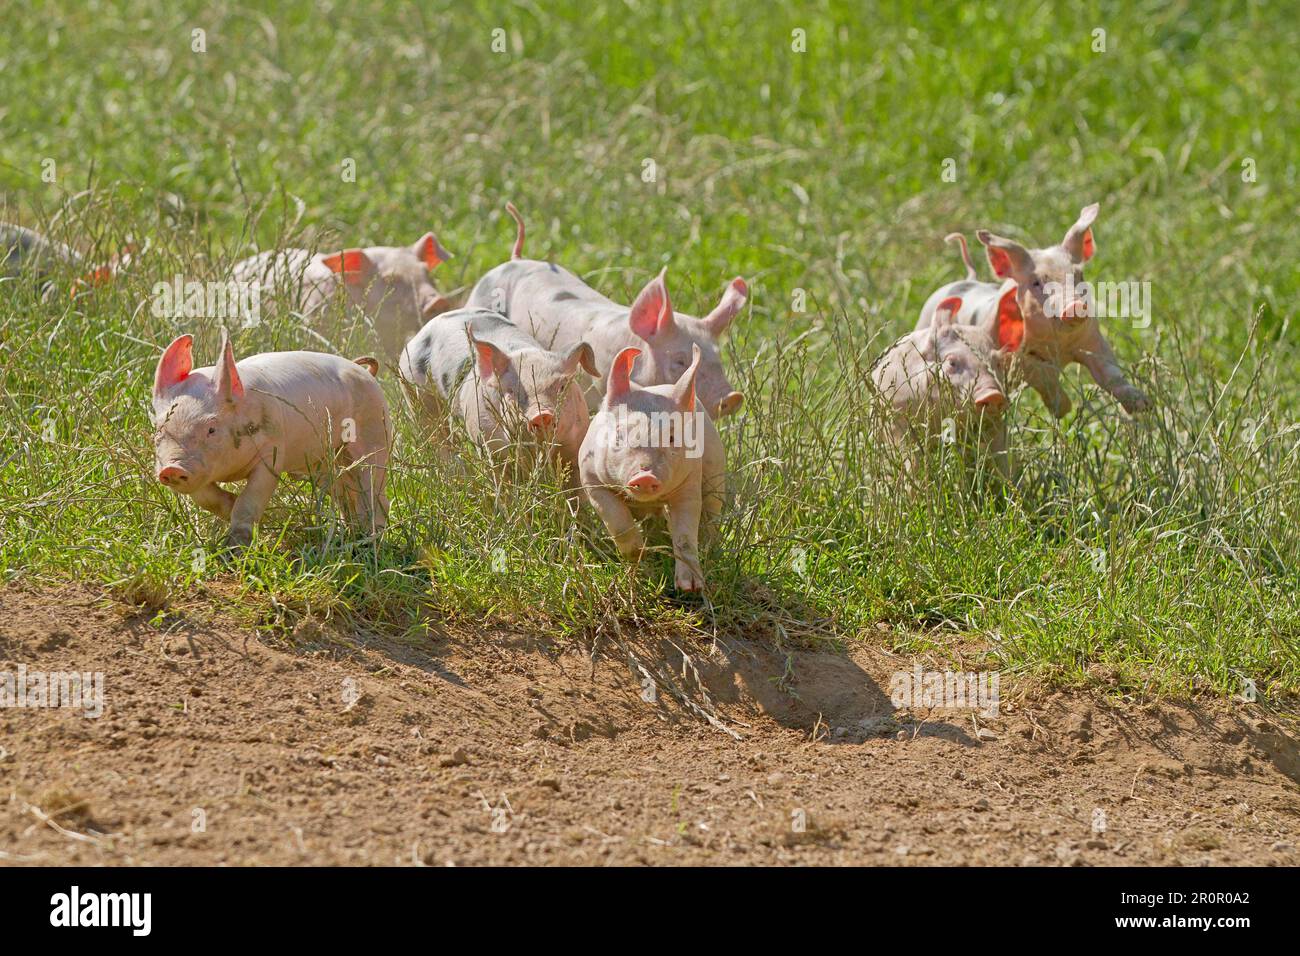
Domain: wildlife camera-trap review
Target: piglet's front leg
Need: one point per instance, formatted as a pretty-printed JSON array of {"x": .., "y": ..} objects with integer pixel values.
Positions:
[
  {"x": 212, "y": 497},
  {"x": 619, "y": 521},
  {"x": 250, "y": 505},
  {"x": 1044, "y": 377},
  {"x": 684, "y": 523},
  {"x": 1099, "y": 360},
  {"x": 995, "y": 437}
]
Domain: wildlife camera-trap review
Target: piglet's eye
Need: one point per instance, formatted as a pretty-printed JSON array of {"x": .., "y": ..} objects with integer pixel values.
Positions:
[{"x": 212, "y": 431}]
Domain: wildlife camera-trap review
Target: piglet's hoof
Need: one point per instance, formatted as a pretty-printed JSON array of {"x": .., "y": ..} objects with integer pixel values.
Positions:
[
  {"x": 631, "y": 547},
  {"x": 688, "y": 578},
  {"x": 1134, "y": 400},
  {"x": 1062, "y": 407},
  {"x": 238, "y": 538}
]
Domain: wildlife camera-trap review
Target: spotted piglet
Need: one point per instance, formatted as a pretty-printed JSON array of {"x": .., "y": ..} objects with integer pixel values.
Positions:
[
  {"x": 651, "y": 448},
  {"x": 494, "y": 377},
  {"x": 295, "y": 413},
  {"x": 559, "y": 310}
]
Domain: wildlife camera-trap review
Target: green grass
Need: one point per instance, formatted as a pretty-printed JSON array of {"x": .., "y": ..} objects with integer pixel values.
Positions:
[{"x": 1159, "y": 555}]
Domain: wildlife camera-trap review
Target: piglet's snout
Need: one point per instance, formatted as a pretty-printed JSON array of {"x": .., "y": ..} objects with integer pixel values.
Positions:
[
  {"x": 1075, "y": 311},
  {"x": 730, "y": 404},
  {"x": 173, "y": 475},
  {"x": 1073, "y": 302},
  {"x": 541, "y": 420},
  {"x": 643, "y": 483},
  {"x": 990, "y": 401}
]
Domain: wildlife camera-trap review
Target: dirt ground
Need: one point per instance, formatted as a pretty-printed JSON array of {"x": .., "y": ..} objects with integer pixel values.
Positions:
[{"x": 217, "y": 746}]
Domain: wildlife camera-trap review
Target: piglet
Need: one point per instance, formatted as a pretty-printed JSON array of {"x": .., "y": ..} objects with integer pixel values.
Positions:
[
  {"x": 1057, "y": 306},
  {"x": 495, "y": 378},
  {"x": 389, "y": 286},
  {"x": 559, "y": 310},
  {"x": 951, "y": 369},
  {"x": 295, "y": 413},
  {"x": 24, "y": 251},
  {"x": 650, "y": 448}
]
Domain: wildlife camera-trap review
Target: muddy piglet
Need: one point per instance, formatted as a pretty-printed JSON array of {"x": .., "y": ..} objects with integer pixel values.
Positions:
[
  {"x": 295, "y": 413},
  {"x": 651, "y": 448},
  {"x": 953, "y": 370},
  {"x": 499, "y": 381}
]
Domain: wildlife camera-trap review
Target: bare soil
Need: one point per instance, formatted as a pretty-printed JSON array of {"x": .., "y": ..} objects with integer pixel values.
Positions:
[{"x": 219, "y": 746}]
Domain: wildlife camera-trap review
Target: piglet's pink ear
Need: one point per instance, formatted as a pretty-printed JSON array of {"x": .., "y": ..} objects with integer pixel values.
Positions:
[
  {"x": 945, "y": 312},
  {"x": 1006, "y": 257},
  {"x": 491, "y": 360},
  {"x": 684, "y": 390},
  {"x": 102, "y": 275},
  {"x": 581, "y": 356},
  {"x": 1000, "y": 261},
  {"x": 430, "y": 251},
  {"x": 652, "y": 312},
  {"x": 436, "y": 306},
  {"x": 1078, "y": 241},
  {"x": 733, "y": 300},
  {"x": 229, "y": 385},
  {"x": 351, "y": 264},
  {"x": 176, "y": 362},
  {"x": 1011, "y": 322},
  {"x": 620, "y": 374}
]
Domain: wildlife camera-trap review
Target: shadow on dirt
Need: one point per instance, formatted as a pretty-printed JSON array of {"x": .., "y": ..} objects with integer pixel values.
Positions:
[{"x": 825, "y": 695}]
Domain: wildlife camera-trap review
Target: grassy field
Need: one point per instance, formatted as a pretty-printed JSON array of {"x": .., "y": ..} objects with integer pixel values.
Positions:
[{"x": 1159, "y": 554}]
